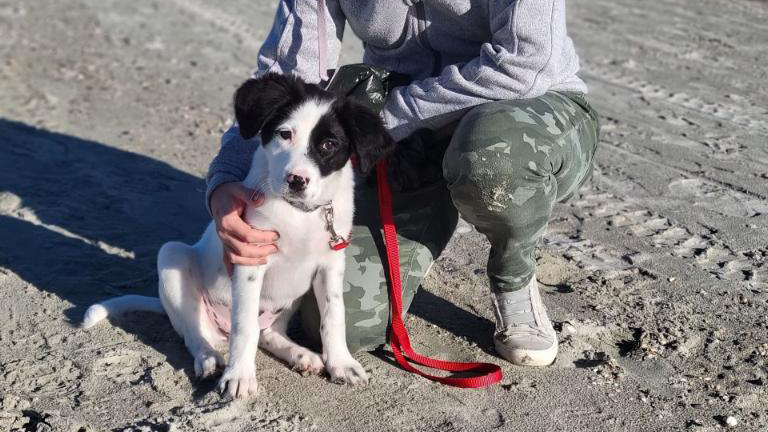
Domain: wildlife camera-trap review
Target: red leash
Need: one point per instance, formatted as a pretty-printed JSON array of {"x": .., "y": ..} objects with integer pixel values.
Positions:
[{"x": 486, "y": 373}]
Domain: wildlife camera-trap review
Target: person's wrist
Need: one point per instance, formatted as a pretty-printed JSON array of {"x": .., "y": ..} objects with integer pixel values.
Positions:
[
  {"x": 215, "y": 186},
  {"x": 218, "y": 189},
  {"x": 211, "y": 196}
]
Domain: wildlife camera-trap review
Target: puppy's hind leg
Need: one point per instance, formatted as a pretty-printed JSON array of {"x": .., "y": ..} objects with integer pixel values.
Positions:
[
  {"x": 275, "y": 340},
  {"x": 180, "y": 287}
]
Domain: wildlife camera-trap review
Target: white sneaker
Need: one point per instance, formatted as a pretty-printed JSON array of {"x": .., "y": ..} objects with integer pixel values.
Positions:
[{"x": 524, "y": 334}]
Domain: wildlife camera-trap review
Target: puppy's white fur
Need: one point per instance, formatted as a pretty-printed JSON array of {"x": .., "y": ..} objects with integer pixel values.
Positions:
[{"x": 304, "y": 259}]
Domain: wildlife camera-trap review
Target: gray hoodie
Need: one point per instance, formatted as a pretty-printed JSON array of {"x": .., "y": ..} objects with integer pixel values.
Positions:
[{"x": 458, "y": 53}]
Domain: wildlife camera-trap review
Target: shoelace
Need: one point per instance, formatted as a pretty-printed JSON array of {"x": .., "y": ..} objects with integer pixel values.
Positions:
[
  {"x": 510, "y": 314},
  {"x": 521, "y": 330}
]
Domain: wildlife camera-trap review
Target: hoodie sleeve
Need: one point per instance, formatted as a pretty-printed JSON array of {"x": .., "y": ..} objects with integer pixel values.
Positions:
[
  {"x": 291, "y": 47},
  {"x": 515, "y": 64}
]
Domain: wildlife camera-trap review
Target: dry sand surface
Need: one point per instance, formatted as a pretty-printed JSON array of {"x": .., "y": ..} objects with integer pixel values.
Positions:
[{"x": 656, "y": 274}]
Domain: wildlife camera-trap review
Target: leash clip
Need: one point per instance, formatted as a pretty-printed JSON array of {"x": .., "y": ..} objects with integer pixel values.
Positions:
[{"x": 337, "y": 242}]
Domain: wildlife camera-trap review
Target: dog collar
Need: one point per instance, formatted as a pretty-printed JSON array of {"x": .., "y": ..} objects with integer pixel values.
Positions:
[
  {"x": 337, "y": 242},
  {"x": 304, "y": 207}
]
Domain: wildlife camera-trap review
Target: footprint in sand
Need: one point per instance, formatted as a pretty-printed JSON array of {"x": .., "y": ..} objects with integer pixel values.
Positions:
[
  {"x": 221, "y": 416},
  {"x": 740, "y": 111},
  {"x": 46, "y": 376},
  {"x": 718, "y": 199},
  {"x": 120, "y": 366},
  {"x": 705, "y": 252}
]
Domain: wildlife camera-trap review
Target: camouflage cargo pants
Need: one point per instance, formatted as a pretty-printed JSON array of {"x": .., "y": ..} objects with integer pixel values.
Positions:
[{"x": 504, "y": 167}]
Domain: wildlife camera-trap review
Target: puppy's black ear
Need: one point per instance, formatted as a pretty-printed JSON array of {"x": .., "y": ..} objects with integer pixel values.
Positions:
[
  {"x": 258, "y": 98},
  {"x": 365, "y": 130}
]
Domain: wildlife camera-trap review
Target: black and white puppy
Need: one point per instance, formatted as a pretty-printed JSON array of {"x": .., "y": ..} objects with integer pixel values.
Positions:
[{"x": 304, "y": 169}]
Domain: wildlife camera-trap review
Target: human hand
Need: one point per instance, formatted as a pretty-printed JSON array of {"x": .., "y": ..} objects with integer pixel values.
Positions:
[{"x": 242, "y": 243}]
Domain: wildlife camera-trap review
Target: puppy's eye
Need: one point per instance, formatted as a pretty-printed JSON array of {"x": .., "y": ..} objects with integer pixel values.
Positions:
[
  {"x": 329, "y": 145},
  {"x": 285, "y": 134}
]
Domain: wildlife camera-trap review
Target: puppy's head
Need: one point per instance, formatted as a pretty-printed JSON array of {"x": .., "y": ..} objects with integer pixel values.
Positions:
[{"x": 308, "y": 136}]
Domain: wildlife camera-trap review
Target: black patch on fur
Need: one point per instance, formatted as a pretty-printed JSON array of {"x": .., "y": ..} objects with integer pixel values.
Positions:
[
  {"x": 356, "y": 130},
  {"x": 251, "y": 278},
  {"x": 329, "y": 128},
  {"x": 261, "y": 104}
]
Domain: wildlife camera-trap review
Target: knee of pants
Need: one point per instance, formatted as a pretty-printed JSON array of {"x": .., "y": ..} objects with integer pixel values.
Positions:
[{"x": 495, "y": 168}]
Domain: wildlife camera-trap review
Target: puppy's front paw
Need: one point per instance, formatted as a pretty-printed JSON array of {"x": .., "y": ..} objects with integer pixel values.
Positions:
[
  {"x": 346, "y": 370},
  {"x": 207, "y": 363},
  {"x": 306, "y": 362},
  {"x": 238, "y": 382}
]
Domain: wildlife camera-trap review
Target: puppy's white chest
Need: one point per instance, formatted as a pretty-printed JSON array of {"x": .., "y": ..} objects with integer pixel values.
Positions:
[
  {"x": 303, "y": 235},
  {"x": 303, "y": 247}
]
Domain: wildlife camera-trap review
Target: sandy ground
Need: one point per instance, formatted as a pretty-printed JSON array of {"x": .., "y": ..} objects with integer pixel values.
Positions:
[{"x": 656, "y": 275}]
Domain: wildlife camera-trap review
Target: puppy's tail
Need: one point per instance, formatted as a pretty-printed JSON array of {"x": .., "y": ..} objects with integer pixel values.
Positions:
[{"x": 121, "y": 305}]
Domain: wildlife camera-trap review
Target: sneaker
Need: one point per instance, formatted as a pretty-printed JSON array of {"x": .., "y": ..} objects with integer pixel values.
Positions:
[{"x": 524, "y": 334}]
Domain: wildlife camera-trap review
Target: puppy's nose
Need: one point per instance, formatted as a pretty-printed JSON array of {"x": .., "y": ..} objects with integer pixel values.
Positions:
[{"x": 296, "y": 183}]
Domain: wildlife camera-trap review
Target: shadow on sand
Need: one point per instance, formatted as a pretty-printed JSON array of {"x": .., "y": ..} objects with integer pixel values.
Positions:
[
  {"x": 90, "y": 221},
  {"x": 446, "y": 315}
]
